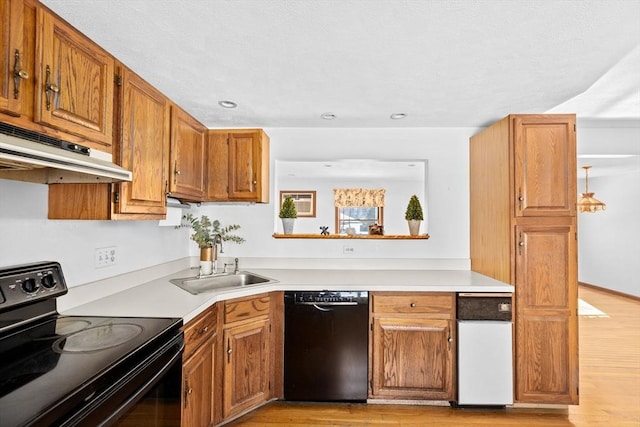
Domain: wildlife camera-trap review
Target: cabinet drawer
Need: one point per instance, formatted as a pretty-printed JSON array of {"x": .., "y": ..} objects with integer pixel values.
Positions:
[
  {"x": 246, "y": 308},
  {"x": 199, "y": 329},
  {"x": 433, "y": 303}
]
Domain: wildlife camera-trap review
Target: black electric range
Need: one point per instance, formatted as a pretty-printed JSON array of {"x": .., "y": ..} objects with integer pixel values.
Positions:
[{"x": 80, "y": 370}]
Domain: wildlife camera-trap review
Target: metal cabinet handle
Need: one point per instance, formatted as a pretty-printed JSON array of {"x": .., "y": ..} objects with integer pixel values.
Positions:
[
  {"x": 50, "y": 88},
  {"x": 412, "y": 305},
  {"x": 18, "y": 75}
]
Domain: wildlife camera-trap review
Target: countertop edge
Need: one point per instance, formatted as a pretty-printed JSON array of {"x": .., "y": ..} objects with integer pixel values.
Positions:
[{"x": 160, "y": 298}]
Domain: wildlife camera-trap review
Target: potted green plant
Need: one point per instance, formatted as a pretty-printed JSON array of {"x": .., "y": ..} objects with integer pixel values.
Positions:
[
  {"x": 207, "y": 234},
  {"x": 288, "y": 214},
  {"x": 414, "y": 215}
]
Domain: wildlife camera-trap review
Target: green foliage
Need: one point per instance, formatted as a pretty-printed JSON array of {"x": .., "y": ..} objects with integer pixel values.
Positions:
[
  {"x": 288, "y": 209},
  {"x": 414, "y": 209},
  {"x": 204, "y": 231}
]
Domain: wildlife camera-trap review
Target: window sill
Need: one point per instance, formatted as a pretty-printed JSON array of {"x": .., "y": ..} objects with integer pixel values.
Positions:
[{"x": 357, "y": 236}]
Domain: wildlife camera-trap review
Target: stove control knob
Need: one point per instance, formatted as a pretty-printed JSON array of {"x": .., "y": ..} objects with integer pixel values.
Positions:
[
  {"x": 29, "y": 285},
  {"x": 48, "y": 281}
]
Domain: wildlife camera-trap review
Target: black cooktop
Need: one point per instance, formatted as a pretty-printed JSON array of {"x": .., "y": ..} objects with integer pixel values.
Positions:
[{"x": 60, "y": 362}]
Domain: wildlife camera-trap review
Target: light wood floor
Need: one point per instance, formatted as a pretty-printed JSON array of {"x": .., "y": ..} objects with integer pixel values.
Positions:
[{"x": 609, "y": 387}]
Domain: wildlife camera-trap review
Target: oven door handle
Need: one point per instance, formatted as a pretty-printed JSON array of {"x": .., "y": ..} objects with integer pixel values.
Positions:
[{"x": 142, "y": 391}]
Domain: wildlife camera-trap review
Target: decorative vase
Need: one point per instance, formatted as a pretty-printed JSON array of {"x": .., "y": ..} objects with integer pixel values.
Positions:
[
  {"x": 287, "y": 225},
  {"x": 206, "y": 260},
  {"x": 414, "y": 226}
]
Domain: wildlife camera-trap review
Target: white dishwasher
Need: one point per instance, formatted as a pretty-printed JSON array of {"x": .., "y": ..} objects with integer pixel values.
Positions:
[{"x": 485, "y": 349}]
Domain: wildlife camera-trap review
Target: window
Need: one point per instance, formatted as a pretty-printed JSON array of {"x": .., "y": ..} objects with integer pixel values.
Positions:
[
  {"x": 356, "y": 220},
  {"x": 357, "y": 209},
  {"x": 304, "y": 201}
]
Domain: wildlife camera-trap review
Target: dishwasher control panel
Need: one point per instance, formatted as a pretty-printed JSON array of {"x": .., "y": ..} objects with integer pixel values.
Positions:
[{"x": 331, "y": 297}]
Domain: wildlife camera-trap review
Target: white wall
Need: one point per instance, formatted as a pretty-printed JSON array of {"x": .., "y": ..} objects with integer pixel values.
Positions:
[
  {"x": 448, "y": 194},
  {"x": 26, "y": 235},
  {"x": 609, "y": 240}
]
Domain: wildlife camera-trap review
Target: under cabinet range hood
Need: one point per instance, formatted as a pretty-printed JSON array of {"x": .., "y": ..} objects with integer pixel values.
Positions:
[{"x": 28, "y": 156}]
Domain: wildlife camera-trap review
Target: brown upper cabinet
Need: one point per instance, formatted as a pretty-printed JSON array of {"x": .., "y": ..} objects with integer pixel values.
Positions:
[
  {"x": 523, "y": 232},
  {"x": 75, "y": 83},
  {"x": 544, "y": 150},
  {"x": 188, "y": 138},
  {"x": 238, "y": 166},
  {"x": 17, "y": 48},
  {"x": 142, "y": 146},
  {"x": 54, "y": 79}
]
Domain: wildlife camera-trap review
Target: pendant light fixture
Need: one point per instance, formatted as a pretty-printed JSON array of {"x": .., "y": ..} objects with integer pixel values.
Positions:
[{"x": 588, "y": 203}]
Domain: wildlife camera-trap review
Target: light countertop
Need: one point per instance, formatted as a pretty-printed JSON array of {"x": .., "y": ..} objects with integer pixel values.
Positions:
[{"x": 160, "y": 298}]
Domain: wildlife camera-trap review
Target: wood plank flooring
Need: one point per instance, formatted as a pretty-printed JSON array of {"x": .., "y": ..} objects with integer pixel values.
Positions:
[{"x": 609, "y": 387}]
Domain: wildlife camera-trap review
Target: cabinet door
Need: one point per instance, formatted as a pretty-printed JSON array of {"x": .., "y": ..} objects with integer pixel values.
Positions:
[
  {"x": 143, "y": 147},
  {"x": 243, "y": 173},
  {"x": 17, "y": 50},
  {"x": 217, "y": 169},
  {"x": 249, "y": 166},
  {"x": 198, "y": 390},
  {"x": 545, "y": 165},
  {"x": 11, "y": 52},
  {"x": 76, "y": 83},
  {"x": 412, "y": 358},
  {"x": 246, "y": 374},
  {"x": 546, "y": 321},
  {"x": 187, "y": 156}
]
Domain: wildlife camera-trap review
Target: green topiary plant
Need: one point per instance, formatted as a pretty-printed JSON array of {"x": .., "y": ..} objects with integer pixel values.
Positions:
[
  {"x": 204, "y": 231},
  {"x": 288, "y": 209},
  {"x": 414, "y": 209}
]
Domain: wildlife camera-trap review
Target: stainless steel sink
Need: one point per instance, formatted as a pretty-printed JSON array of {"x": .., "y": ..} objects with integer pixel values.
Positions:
[{"x": 198, "y": 285}]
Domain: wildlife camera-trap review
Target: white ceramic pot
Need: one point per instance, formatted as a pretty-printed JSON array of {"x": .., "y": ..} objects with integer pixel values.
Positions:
[
  {"x": 287, "y": 225},
  {"x": 414, "y": 227}
]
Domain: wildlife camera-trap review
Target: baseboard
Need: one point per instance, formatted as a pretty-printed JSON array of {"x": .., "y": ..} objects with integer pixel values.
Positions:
[{"x": 609, "y": 291}]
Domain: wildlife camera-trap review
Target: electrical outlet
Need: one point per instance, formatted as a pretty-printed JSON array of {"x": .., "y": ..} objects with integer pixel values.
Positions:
[
  {"x": 348, "y": 250},
  {"x": 105, "y": 256}
]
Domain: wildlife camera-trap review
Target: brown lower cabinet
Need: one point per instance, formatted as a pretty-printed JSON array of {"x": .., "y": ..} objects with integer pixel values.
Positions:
[
  {"x": 412, "y": 346},
  {"x": 199, "y": 392},
  {"x": 232, "y": 359}
]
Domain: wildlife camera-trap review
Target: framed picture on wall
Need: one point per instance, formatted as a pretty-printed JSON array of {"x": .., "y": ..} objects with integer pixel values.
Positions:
[{"x": 305, "y": 202}]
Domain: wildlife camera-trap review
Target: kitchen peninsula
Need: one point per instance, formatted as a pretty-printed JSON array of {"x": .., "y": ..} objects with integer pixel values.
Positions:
[{"x": 234, "y": 336}]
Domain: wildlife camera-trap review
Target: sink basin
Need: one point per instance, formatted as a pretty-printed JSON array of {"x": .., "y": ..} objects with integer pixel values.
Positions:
[{"x": 198, "y": 285}]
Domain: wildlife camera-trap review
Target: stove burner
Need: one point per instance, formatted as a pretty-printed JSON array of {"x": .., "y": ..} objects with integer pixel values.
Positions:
[
  {"x": 97, "y": 338},
  {"x": 69, "y": 326}
]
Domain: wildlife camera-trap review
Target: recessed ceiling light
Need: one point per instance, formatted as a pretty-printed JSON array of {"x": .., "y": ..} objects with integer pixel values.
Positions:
[
  {"x": 227, "y": 104},
  {"x": 328, "y": 116},
  {"x": 398, "y": 116}
]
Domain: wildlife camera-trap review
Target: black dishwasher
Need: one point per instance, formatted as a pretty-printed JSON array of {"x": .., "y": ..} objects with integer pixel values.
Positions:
[{"x": 326, "y": 340}]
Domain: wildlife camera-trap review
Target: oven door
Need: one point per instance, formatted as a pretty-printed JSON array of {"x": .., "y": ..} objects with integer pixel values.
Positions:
[{"x": 147, "y": 395}]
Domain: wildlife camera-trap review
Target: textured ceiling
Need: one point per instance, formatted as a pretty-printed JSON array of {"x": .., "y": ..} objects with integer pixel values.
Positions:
[{"x": 443, "y": 63}]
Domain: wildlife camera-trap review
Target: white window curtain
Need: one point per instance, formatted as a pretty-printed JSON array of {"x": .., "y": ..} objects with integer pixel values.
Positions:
[{"x": 345, "y": 197}]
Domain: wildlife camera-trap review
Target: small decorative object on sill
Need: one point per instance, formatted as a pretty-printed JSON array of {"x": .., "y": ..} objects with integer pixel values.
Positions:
[
  {"x": 376, "y": 230},
  {"x": 414, "y": 215},
  {"x": 324, "y": 230},
  {"x": 587, "y": 203},
  {"x": 288, "y": 214},
  {"x": 208, "y": 236}
]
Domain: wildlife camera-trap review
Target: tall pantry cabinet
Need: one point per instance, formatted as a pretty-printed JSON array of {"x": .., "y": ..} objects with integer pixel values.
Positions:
[{"x": 523, "y": 231}]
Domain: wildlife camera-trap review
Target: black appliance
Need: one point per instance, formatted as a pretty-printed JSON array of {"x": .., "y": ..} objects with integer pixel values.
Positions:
[
  {"x": 326, "y": 342},
  {"x": 82, "y": 370}
]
